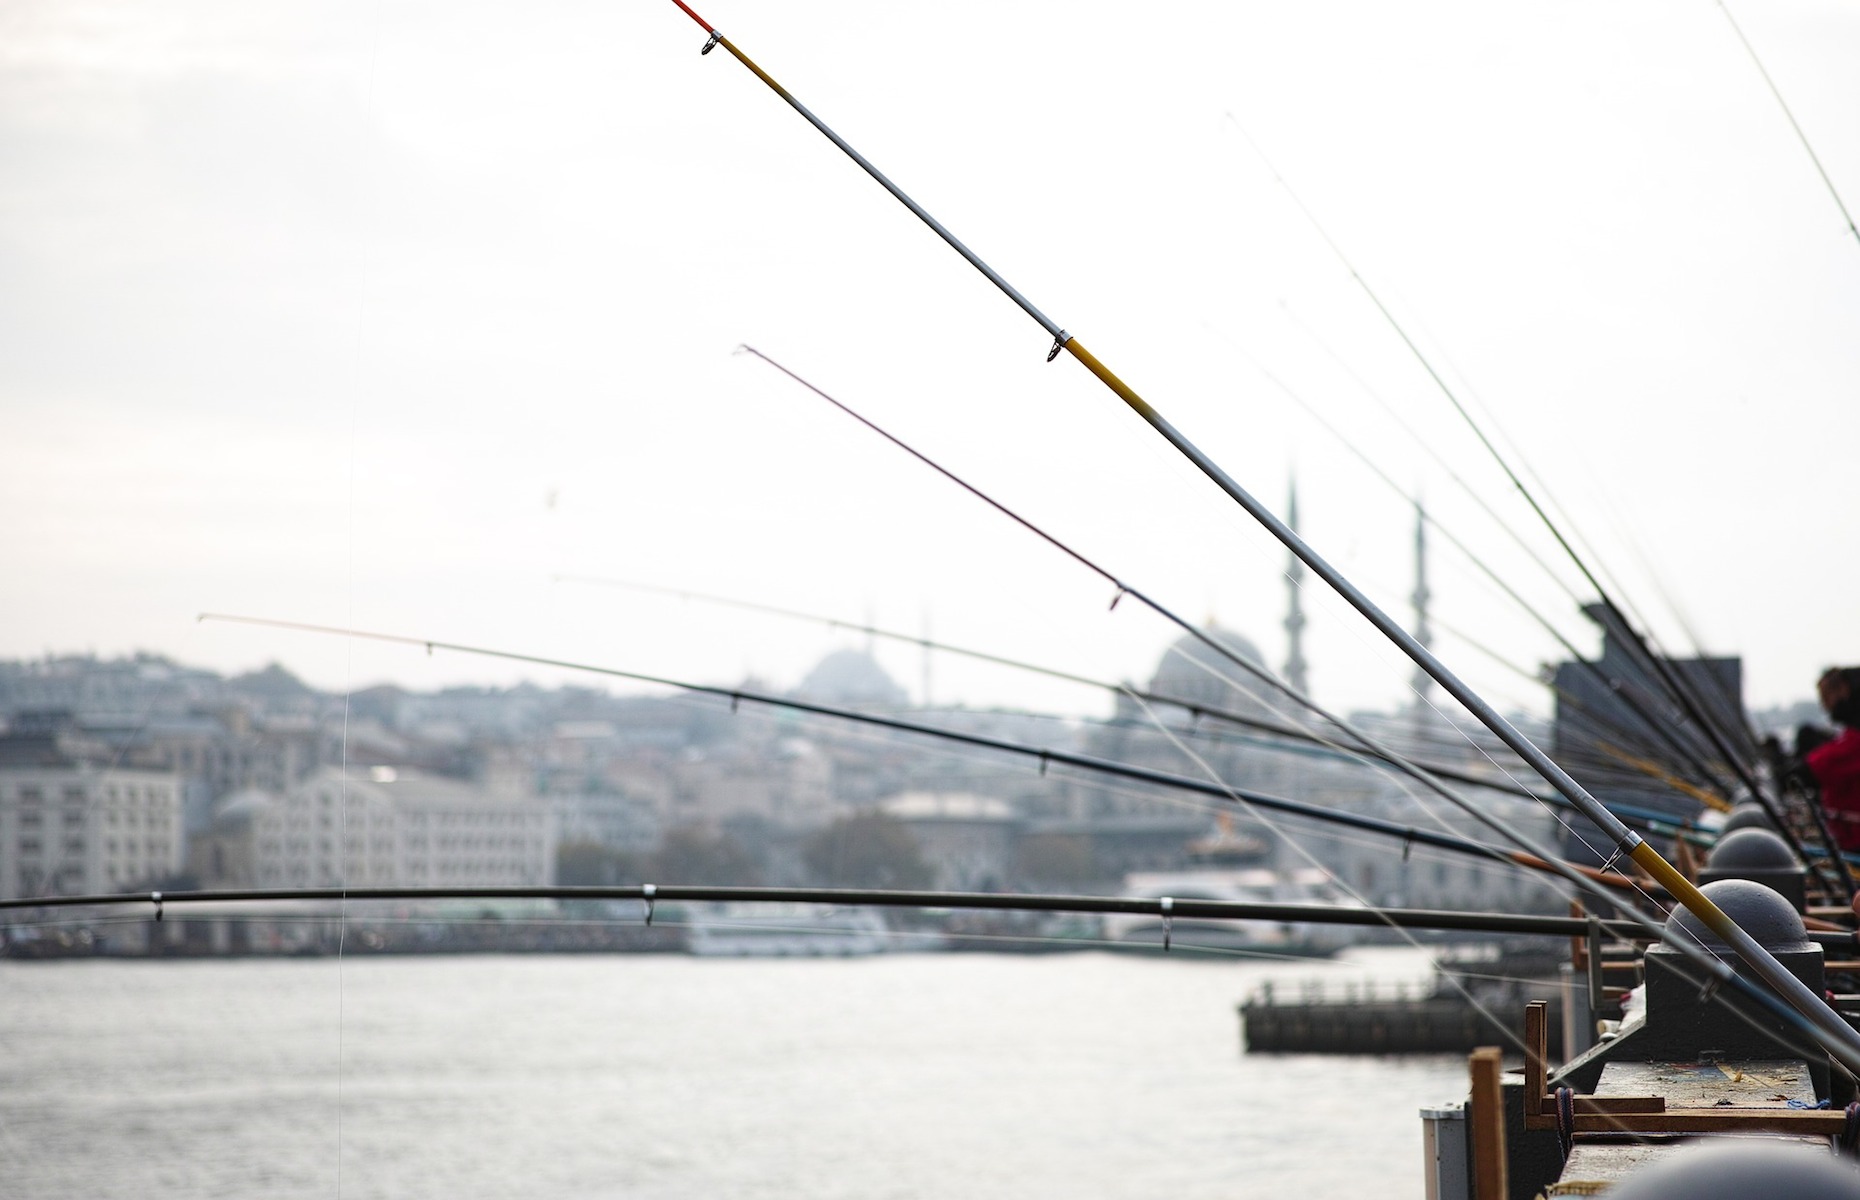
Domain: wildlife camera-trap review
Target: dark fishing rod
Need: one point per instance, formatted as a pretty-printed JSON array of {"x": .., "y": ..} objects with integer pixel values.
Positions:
[
  {"x": 1124, "y": 588},
  {"x": 1664, "y": 730},
  {"x": 1648, "y": 819},
  {"x": 1801, "y": 136},
  {"x": 1408, "y": 835},
  {"x": 1399, "y": 762},
  {"x": 1840, "y": 1038},
  {"x": 1828, "y": 869},
  {"x": 1669, "y": 679},
  {"x": 1699, "y": 787},
  {"x": 1167, "y": 908},
  {"x": 662, "y": 893},
  {"x": 1716, "y": 699},
  {"x": 1586, "y": 879},
  {"x": 1195, "y": 708},
  {"x": 1576, "y": 876}
]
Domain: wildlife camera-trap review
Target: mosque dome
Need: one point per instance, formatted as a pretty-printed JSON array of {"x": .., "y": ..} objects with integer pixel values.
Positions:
[
  {"x": 1194, "y": 671},
  {"x": 854, "y": 679}
]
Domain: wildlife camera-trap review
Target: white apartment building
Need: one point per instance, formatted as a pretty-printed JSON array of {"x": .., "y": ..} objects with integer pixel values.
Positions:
[
  {"x": 79, "y": 829},
  {"x": 383, "y": 827}
]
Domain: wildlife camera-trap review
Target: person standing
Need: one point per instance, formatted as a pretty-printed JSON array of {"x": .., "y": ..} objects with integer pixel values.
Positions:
[{"x": 1835, "y": 763}]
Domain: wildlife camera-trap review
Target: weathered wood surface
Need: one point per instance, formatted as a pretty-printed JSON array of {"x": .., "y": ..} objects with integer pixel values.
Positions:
[{"x": 1758, "y": 1083}]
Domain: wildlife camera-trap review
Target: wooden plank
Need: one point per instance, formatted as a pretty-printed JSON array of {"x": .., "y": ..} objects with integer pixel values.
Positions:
[
  {"x": 1486, "y": 1116},
  {"x": 1743, "y": 1083},
  {"x": 1813, "y": 1122},
  {"x": 1536, "y": 1050}
]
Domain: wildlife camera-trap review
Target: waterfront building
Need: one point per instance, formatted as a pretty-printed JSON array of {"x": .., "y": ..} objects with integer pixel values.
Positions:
[
  {"x": 384, "y": 827},
  {"x": 69, "y": 828}
]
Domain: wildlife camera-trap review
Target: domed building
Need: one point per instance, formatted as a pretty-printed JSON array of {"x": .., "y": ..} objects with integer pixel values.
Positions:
[
  {"x": 1201, "y": 681},
  {"x": 1193, "y": 671},
  {"x": 852, "y": 679}
]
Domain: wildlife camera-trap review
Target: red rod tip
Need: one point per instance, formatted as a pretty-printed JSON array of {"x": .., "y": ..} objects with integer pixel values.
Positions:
[{"x": 694, "y": 16}]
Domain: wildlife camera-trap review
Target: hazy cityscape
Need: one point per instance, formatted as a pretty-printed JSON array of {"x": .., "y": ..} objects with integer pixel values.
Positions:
[
  {"x": 142, "y": 772},
  {"x": 432, "y": 432}
]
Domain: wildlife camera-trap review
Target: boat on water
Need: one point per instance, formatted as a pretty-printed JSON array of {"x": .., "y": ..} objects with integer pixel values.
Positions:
[
  {"x": 1290, "y": 939},
  {"x": 785, "y": 931}
]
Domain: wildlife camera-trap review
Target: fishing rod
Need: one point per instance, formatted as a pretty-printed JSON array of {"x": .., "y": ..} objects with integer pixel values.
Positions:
[
  {"x": 654, "y": 894},
  {"x": 1713, "y": 696},
  {"x": 1663, "y": 730},
  {"x": 1399, "y": 762},
  {"x": 1195, "y": 708},
  {"x": 1668, "y": 678},
  {"x": 1576, "y": 875},
  {"x": 661, "y": 893},
  {"x": 1124, "y": 588},
  {"x": 1840, "y": 1038},
  {"x": 1585, "y": 879},
  {"x": 1801, "y": 136},
  {"x": 1408, "y": 835},
  {"x": 1652, "y": 820}
]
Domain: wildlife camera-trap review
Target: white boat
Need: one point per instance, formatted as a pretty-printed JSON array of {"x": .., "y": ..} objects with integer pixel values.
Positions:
[
  {"x": 785, "y": 931},
  {"x": 1257, "y": 885}
]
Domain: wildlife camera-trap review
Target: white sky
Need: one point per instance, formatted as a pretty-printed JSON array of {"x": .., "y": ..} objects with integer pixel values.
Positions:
[{"x": 309, "y": 309}]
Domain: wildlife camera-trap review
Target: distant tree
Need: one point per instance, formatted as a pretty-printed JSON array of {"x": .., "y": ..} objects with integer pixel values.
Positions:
[
  {"x": 590, "y": 864},
  {"x": 867, "y": 850},
  {"x": 1053, "y": 858},
  {"x": 691, "y": 854}
]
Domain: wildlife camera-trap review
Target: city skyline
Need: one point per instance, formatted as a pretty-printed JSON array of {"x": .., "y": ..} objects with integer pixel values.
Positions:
[{"x": 323, "y": 317}]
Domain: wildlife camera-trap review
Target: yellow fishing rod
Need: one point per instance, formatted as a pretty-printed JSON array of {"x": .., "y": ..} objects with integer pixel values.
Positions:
[
  {"x": 1654, "y": 770},
  {"x": 1840, "y": 1038}
]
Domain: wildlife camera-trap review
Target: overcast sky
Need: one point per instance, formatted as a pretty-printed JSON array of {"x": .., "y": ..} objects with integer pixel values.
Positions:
[{"x": 385, "y": 313}]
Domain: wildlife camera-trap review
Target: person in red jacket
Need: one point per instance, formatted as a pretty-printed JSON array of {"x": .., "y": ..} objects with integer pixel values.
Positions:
[{"x": 1835, "y": 764}]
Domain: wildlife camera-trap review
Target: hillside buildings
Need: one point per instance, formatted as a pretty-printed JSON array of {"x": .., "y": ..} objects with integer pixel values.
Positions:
[{"x": 241, "y": 783}]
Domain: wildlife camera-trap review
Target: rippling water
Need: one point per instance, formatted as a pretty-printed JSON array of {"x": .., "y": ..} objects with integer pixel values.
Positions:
[{"x": 954, "y": 1075}]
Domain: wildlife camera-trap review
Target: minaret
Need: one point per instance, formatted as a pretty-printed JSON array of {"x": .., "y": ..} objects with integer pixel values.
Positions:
[
  {"x": 1295, "y": 672},
  {"x": 1423, "y": 682}
]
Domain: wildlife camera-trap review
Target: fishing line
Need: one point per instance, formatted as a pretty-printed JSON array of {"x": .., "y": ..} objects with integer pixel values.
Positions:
[
  {"x": 1801, "y": 136},
  {"x": 1538, "y": 856},
  {"x": 1045, "y": 755},
  {"x": 1478, "y": 1006},
  {"x": 1666, "y": 677},
  {"x": 1397, "y": 761},
  {"x": 1660, "y": 728},
  {"x": 1842, "y": 1039},
  {"x": 1348, "y": 888},
  {"x": 364, "y": 279},
  {"x": 1497, "y": 457},
  {"x": 1414, "y": 349},
  {"x": 1423, "y": 444},
  {"x": 1195, "y": 708},
  {"x": 1804, "y": 1008},
  {"x": 1381, "y": 751}
]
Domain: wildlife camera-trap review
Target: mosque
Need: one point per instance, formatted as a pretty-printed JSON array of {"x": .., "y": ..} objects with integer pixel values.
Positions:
[{"x": 1176, "y": 724}]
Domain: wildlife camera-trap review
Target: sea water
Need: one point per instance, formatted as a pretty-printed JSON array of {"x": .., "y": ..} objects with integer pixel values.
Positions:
[{"x": 567, "y": 1077}]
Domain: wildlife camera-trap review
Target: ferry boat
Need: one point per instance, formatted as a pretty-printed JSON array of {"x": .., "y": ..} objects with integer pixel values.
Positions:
[{"x": 784, "y": 931}]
